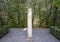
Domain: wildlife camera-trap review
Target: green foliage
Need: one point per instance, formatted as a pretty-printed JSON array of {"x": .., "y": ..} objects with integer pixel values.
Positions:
[
  {"x": 55, "y": 30},
  {"x": 3, "y": 31},
  {"x": 14, "y": 12},
  {"x": 56, "y": 2}
]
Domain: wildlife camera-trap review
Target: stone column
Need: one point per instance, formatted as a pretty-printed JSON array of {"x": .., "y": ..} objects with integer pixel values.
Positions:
[{"x": 29, "y": 30}]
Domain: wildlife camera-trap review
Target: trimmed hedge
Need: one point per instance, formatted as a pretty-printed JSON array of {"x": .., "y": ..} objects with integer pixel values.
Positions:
[
  {"x": 55, "y": 30},
  {"x": 3, "y": 31}
]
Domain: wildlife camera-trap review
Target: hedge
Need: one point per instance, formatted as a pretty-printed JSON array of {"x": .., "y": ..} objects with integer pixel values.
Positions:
[
  {"x": 3, "y": 31},
  {"x": 55, "y": 30}
]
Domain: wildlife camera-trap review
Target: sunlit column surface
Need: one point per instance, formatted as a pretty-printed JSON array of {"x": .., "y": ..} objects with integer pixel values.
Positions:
[{"x": 29, "y": 23}]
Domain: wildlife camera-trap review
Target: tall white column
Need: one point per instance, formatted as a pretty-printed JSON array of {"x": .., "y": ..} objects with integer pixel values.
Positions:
[{"x": 29, "y": 23}]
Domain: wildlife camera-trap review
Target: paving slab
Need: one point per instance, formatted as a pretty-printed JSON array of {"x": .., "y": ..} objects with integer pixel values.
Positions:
[{"x": 19, "y": 35}]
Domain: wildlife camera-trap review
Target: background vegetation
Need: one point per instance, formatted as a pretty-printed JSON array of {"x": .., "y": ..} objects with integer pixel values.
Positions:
[{"x": 14, "y": 13}]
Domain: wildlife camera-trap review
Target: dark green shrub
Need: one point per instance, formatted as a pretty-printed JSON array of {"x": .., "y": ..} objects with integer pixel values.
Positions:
[
  {"x": 55, "y": 30},
  {"x": 51, "y": 29},
  {"x": 3, "y": 31},
  {"x": 58, "y": 33}
]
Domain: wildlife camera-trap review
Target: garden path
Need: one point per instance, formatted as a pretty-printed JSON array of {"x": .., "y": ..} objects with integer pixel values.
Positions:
[{"x": 19, "y": 35}]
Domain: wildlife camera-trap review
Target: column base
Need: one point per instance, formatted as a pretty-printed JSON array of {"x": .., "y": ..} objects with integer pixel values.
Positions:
[{"x": 29, "y": 39}]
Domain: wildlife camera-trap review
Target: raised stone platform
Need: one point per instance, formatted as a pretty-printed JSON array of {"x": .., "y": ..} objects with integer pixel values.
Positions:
[{"x": 19, "y": 35}]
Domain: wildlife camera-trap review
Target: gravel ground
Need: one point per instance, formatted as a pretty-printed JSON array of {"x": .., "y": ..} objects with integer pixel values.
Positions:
[{"x": 19, "y": 35}]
